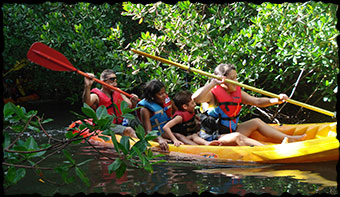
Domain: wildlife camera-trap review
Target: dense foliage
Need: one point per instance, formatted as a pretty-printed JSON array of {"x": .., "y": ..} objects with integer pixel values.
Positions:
[
  {"x": 23, "y": 151},
  {"x": 271, "y": 45},
  {"x": 90, "y": 36}
]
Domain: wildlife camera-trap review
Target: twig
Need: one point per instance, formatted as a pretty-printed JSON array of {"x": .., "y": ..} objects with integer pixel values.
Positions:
[
  {"x": 53, "y": 153},
  {"x": 291, "y": 94},
  {"x": 25, "y": 166},
  {"x": 26, "y": 125},
  {"x": 270, "y": 117},
  {"x": 42, "y": 128},
  {"x": 315, "y": 90}
]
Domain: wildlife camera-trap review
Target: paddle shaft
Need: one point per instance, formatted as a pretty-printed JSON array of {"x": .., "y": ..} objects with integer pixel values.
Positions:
[
  {"x": 71, "y": 68},
  {"x": 317, "y": 109},
  {"x": 17, "y": 66}
]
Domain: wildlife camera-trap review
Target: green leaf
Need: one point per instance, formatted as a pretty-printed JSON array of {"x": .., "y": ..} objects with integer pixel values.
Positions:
[
  {"x": 31, "y": 144},
  {"x": 114, "y": 140},
  {"x": 14, "y": 175},
  {"x": 128, "y": 116},
  {"x": 151, "y": 135},
  {"x": 84, "y": 162},
  {"x": 137, "y": 150},
  {"x": 124, "y": 105},
  {"x": 68, "y": 156},
  {"x": 101, "y": 112},
  {"x": 88, "y": 111},
  {"x": 104, "y": 123},
  {"x": 7, "y": 140},
  {"x": 70, "y": 134},
  {"x": 81, "y": 174},
  {"x": 114, "y": 165},
  {"x": 8, "y": 109},
  {"x": 123, "y": 149},
  {"x": 125, "y": 142},
  {"x": 47, "y": 121},
  {"x": 121, "y": 170},
  {"x": 140, "y": 132},
  {"x": 149, "y": 153},
  {"x": 63, "y": 171},
  {"x": 141, "y": 146}
]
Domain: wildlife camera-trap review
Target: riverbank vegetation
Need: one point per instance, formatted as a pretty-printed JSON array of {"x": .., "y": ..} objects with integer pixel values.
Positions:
[{"x": 282, "y": 48}]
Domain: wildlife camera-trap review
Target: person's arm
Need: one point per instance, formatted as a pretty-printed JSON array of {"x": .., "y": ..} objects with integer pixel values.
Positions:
[
  {"x": 262, "y": 101},
  {"x": 145, "y": 119},
  {"x": 167, "y": 129},
  {"x": 88, "y": 98},
  {"x": 132, "y": 102},
  {"x": 204, "y": 94}
]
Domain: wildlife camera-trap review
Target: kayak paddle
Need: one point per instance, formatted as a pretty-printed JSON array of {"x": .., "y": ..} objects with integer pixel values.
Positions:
[
  {"x": 19, "y": 65},
  {"x": 317, "y": 109},
  {"x": 47, "y": 57}
]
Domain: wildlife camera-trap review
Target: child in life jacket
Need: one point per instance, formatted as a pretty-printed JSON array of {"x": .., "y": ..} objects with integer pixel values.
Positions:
[
  {"x": 184, "y": 126},
  {"x": 156, "y": 110}
]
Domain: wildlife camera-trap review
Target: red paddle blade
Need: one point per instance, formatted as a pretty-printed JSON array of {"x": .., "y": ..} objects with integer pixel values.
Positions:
[{"x": 49, "y": 58}]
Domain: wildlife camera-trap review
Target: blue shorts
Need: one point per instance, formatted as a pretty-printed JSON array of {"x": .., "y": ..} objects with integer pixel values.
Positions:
[{"x": 208, "y": 137}]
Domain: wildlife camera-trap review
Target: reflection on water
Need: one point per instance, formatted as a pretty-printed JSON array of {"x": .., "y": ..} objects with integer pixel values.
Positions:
[
  {"x": 302, "y": 175},
  {"x": 181, "y": 176}
]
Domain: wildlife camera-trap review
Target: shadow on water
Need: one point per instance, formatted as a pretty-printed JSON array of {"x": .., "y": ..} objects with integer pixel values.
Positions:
[{"x": 179, "y": 175}]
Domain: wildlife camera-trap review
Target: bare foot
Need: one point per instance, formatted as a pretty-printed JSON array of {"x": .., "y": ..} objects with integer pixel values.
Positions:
[
  {"x": 297, "y": 138},
  {"x": 285, "y": 140}
]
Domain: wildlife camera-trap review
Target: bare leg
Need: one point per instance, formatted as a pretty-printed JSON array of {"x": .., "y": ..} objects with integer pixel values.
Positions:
[
  {"x": 184, "y": 139},
  {"x": 197, "y": 139},
  {"x": 256, "y": 124},
  {"x": 232, "y": 139}
]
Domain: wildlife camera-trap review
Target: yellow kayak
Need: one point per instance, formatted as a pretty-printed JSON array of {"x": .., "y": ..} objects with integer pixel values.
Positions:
[{"x": 320, "y": 145}]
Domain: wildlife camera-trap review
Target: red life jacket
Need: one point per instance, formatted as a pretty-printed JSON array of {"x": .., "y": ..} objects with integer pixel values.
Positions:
[
  {"x": 229, "y": 106},
  {"x": 229, "y": 103},
  {"x": 116, "y": 98},
  {"x": 168, "y": 105},
  {"x": 188, "y": 125}
]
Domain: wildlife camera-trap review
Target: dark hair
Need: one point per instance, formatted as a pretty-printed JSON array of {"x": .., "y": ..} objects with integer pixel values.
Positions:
[
  {"x": 224, "y": 69},
  {"x": 105, "y": 73},
  {"x": 151, "y": 88},
  {"x": 181, "y": 98}
]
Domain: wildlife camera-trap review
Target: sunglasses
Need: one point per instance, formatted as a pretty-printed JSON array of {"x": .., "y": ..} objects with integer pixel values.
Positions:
[{"x": 111, "y": 79}]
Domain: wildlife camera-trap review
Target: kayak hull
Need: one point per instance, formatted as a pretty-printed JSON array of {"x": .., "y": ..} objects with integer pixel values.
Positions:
[{"x": 320, "y": 145}]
